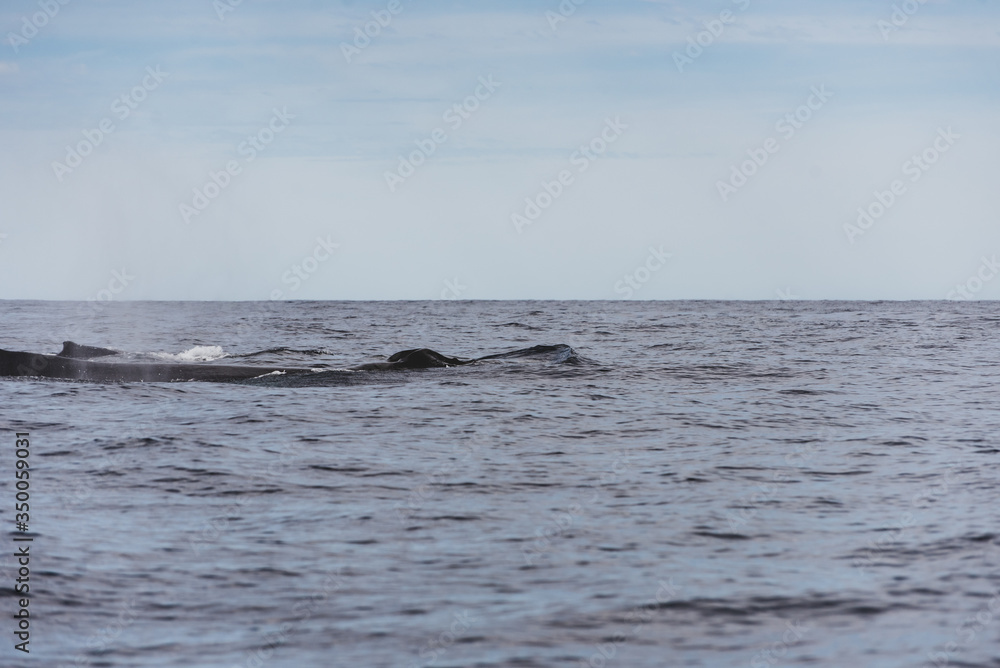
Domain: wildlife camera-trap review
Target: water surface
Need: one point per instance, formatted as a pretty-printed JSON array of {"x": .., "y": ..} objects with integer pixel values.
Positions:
[{"x": 704, "y": 484}]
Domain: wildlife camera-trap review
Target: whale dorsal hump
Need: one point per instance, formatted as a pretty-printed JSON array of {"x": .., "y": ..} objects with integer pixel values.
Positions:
[{"x": 76, "y": 351}]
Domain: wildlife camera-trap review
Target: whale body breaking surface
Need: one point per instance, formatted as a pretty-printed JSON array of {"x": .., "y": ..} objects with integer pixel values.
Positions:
[{"x": 91, "y": 364}]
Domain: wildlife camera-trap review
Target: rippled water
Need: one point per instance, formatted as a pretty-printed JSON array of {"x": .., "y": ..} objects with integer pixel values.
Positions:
[{"x": 711, "y": 484}]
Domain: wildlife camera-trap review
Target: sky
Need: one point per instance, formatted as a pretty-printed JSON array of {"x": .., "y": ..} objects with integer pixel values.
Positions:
[{"x": 582, "y": 149}]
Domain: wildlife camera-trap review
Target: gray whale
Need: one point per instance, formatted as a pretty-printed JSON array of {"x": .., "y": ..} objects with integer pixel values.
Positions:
[{"x": 76, "y": 362}]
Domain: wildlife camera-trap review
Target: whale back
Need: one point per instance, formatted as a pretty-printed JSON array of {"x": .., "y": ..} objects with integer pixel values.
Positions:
[
  {"x": 74, "y": 363},
  {"x": 76, "y": 351},
  {"x": 423, "y": 358}
]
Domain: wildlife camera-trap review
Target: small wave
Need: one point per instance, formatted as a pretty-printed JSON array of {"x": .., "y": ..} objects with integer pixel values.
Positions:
[
  {"x": 196, "y": 354},
  {"x": 521, "y": 325},
  {"x": 283, "y": 350}
]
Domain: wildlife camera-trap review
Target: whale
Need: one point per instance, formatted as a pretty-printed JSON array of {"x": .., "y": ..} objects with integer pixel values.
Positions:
[
  {"x": 418, "y": 358},
  {"x": 71, "y": 368},
  {"x": 76, "y": 351},
  {"x": 86, "y": 363}
]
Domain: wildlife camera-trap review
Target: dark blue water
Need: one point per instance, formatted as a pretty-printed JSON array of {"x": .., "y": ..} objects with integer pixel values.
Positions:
[{"x": 706, "y": 484}]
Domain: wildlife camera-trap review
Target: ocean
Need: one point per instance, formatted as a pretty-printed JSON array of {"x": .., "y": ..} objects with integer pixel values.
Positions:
[{"x": 687, "y": 484}]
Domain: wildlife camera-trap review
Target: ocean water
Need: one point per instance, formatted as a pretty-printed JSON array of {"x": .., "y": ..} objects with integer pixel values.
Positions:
[{"x": 696, "y": 484}]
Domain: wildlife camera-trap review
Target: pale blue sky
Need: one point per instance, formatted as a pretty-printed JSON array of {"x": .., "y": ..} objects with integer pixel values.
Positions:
[{"x": 337, "y": 127}]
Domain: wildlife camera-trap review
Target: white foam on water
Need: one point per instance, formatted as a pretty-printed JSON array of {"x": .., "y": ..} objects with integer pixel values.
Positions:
[{"x": 196, "y": 354}]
